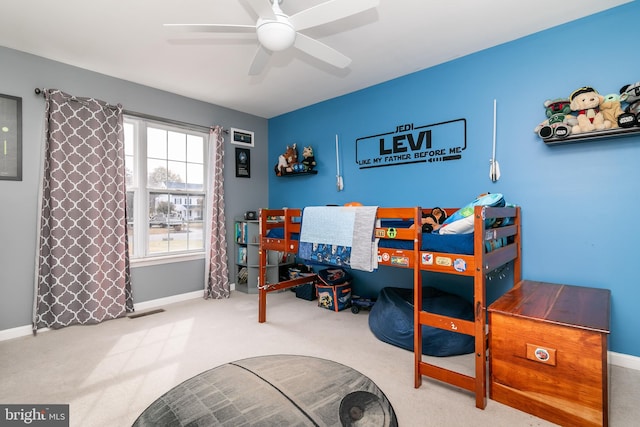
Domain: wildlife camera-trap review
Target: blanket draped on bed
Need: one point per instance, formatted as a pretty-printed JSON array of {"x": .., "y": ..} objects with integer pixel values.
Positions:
[{"x": 339, "y": 235}]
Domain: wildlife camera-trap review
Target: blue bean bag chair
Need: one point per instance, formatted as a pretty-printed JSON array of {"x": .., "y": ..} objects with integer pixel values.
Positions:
[{"x": 391, "y": 321}]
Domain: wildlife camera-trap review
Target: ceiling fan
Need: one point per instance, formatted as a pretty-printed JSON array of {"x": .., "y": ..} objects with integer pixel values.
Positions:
[{"x": 277, "y": 31}]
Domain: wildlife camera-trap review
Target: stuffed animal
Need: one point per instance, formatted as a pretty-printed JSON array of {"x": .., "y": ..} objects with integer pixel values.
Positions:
[
  {"x": 586, "y": 101},
  {"x": 611, "y": 109},
  {"x": 630, "y": 94},
  {"x": 433, "y": 221},
  {"x": 308, "y": 159},
  {"x": 287, "y": 161},
  {"x": 557, "y": 106},
  {"x": 559, "y": 122}
]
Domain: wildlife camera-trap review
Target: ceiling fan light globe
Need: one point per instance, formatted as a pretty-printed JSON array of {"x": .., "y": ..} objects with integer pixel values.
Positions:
[{"x": 276, "y": 35}]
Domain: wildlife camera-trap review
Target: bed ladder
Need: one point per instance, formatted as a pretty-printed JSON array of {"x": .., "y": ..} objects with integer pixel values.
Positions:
[{"x": 478, "y": 327}]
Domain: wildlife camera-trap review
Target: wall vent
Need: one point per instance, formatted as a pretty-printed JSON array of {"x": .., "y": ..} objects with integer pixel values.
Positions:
[{"x": 145, "y": 313}]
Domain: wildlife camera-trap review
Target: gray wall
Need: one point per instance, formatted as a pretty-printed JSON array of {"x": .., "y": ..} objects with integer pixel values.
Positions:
[{"x": 20, "y": 74}]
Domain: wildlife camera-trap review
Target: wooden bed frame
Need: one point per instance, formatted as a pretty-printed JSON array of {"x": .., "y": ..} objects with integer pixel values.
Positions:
[{"x": 477, "y": 266}]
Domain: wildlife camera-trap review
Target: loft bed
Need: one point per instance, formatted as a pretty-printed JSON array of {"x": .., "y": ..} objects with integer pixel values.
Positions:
[{"x": 402, "y": 245}]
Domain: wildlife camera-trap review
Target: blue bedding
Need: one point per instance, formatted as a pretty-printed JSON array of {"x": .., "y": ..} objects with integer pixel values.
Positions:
[
  {"x": 434, "y": 242},
  {"x": 448, "y": 243},
  {"x": 391, "y": 321},
  {"x": 278, "y": 233}
]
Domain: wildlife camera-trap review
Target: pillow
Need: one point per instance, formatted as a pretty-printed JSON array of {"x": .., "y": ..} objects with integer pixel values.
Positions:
[
  {"x": 461, "y": 221},
  {"x": 464, "y": 225}
]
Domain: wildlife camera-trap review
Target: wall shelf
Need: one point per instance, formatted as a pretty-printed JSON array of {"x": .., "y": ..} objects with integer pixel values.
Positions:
[
  {"x": 601, "y": 134},
  {"x": 311, "y": 172}
]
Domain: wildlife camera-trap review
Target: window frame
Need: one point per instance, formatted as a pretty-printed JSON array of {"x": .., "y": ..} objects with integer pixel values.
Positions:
[{"x": 142, "y": 192}]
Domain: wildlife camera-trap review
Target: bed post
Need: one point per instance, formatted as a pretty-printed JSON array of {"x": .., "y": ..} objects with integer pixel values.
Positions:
[
  {"x": 479, "y": 307},
  {"x": 262, "y": 272},
  {"x": 417, "y": 297},
  {"x": 517, "y": 262}
]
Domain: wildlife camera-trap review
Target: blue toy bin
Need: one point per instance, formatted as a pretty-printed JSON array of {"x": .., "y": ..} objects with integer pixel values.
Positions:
[{"x": 334, "y": 291}]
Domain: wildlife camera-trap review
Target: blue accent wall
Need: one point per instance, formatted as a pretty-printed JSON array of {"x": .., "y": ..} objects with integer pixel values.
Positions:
[{"x": 578, "y": 200}]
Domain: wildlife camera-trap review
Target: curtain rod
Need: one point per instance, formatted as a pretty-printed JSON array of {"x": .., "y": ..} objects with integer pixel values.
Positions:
[{"x": 201, "y": 128}]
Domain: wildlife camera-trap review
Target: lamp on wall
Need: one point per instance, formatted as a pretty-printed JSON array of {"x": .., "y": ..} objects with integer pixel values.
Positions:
[
  {"x": 494, "y": 170},
  {"x": 339, "y": 182}
]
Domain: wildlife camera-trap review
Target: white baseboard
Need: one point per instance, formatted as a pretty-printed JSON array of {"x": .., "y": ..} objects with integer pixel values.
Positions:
[
  {"x": 161, "y": 302},
  {"x": 624, "y": 360},
  {"x": 23, "y": 331},
  {"x": 20, "y": 331}
]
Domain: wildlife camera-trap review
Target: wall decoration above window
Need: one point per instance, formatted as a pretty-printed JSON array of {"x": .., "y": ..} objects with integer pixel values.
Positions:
[
  {"x": 242, "y": 137},
  {"x": 10, "y": 138}
]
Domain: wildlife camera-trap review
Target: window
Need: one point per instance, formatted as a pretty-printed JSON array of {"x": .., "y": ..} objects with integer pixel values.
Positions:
[{"x": 166, "y": 191}]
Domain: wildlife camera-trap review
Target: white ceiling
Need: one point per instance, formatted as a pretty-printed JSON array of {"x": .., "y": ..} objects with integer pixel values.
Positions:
[{"x": 126, "y": 39}]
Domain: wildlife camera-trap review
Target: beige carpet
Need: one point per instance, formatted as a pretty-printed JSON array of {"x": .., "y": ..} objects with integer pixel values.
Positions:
[{"x": 110, "y": 373}]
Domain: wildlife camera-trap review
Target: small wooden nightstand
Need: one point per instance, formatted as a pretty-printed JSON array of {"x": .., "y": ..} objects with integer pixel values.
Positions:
[{"x": 548, "y": 352}]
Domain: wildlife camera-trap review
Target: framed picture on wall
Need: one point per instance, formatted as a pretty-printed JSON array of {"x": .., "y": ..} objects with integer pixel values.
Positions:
[
  {"x": 10, "y": 138},
  {"x": 243, "y": 163},
  {"x": 242, "y": 137}
]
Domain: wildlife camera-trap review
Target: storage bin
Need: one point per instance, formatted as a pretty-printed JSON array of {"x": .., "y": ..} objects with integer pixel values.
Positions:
[
  {"x": 334, "y": 297},
  {"x": 306, "y": 291},
  {"x": 334, "y": 276}
]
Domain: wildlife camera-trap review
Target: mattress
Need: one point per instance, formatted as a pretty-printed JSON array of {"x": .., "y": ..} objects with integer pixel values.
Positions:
[{"x": 447, "y": 243}]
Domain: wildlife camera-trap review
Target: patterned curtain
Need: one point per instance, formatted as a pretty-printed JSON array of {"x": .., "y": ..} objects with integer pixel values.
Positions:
[
  {"x": 82, "y": 271},
  {"x": 216, "y": 270}
]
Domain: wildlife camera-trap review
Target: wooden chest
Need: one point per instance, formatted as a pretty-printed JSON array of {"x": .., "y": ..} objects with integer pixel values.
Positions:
[{"x": 548, "y": 352}]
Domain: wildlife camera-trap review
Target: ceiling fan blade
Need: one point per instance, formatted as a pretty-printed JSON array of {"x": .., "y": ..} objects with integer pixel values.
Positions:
[
  {"x": 211, "y": 28},
  {"x": 330, "y": 11},
  {"x": 321, "y": 51},
  {"x": 259, "y": 61},
  {"x": 263, "y": 8}
]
